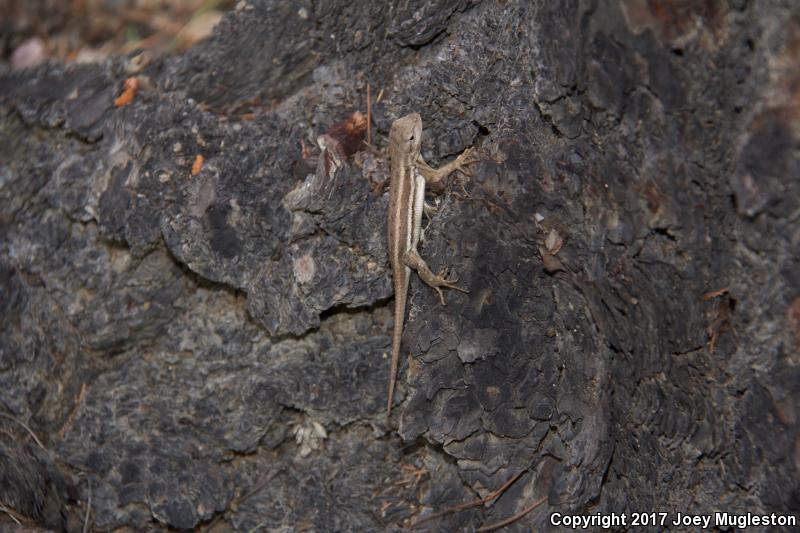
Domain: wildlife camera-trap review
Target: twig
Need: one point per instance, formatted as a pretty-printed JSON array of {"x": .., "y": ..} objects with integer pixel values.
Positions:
[
  {"x": 258, "y": 526},
  {"x": 369, "y": 114},
  {"x": 513, "y": 518},
  {"x": 713, "y": 294},
  {"x": 29, "y": 430},
  {"x": 255, "y": 488},
  {"x": 10, "y": 513},
  {"x": 79, "y": 399},
  {"x": 475, "y": 503},
  {"x": 88, "y": 507}
]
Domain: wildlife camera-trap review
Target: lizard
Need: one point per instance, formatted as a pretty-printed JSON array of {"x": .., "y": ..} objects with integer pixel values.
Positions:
[{"x": 409, "y": 174}]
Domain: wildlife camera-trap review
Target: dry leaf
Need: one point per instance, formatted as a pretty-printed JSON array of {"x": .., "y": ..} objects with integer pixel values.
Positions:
[
  {"x": 131, "y": 86},
  {"x": 197, "y": 166}
]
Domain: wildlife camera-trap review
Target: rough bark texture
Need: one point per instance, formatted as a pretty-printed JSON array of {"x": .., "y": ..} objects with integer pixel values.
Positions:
[{"x": 209, "y": 348}]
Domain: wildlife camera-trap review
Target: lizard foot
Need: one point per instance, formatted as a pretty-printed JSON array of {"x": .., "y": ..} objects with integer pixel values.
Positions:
[
  {"x": 443, "y": 279},
  {"x": 435, "y": 281},
  {"x": 466, "y": 158}
]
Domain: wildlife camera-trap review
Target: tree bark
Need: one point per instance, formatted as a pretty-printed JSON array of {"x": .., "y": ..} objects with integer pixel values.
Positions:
[{"x": 203, "y": 341}]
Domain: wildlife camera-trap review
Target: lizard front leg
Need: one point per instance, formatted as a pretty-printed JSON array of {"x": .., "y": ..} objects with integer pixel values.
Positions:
[
  {"x": 412, "y": 259},
  {"x": 434, "y": 176}
]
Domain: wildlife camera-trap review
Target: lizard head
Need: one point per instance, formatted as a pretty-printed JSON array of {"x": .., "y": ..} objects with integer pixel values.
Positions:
[{"x": 407, "y": 132}]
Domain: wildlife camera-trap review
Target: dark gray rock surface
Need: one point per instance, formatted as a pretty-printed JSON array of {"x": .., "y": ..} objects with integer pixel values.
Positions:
[{"x": 208, "y": 349}]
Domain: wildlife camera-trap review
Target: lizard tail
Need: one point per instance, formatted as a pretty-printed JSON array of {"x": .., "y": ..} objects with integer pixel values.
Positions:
[{"x": 397, "y": 334}]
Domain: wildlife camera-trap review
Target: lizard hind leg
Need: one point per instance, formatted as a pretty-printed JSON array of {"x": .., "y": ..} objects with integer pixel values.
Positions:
[{"x": 412, "y": 259}]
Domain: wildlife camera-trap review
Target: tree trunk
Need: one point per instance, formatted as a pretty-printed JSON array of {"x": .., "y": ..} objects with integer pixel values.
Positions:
[{"x": 196, "y": 300}]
